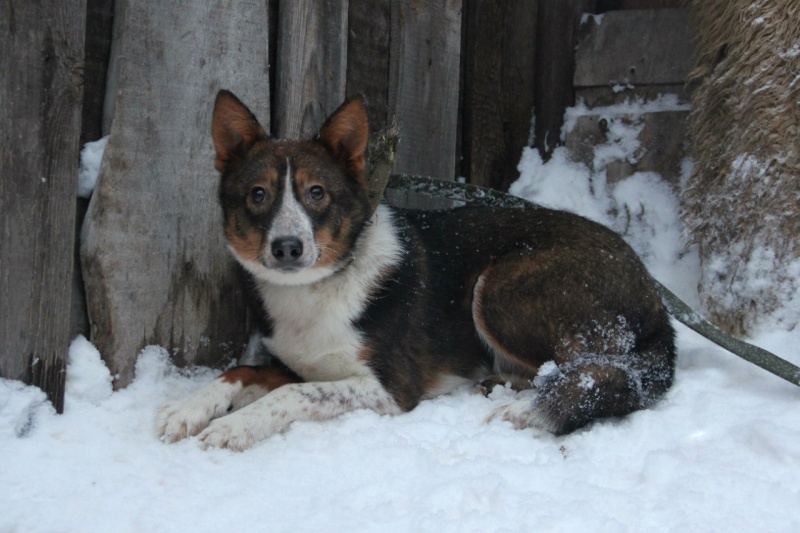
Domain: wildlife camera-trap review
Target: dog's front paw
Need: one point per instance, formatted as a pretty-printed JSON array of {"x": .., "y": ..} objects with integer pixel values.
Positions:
[
  {"x": 236, "y": 432},
  {"x": 178, "y": 421},
  {"x": 242, "y": 429}
]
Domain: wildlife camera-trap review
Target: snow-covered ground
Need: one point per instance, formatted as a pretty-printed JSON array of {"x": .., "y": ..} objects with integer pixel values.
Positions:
[{"x": 720, "y": 453}]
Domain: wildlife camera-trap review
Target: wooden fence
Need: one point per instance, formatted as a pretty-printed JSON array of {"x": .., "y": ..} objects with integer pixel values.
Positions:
[{"x": 462, "y": 77}]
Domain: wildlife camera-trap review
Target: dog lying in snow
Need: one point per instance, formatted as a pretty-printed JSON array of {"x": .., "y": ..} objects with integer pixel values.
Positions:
[{"x": 382, "y": 308}]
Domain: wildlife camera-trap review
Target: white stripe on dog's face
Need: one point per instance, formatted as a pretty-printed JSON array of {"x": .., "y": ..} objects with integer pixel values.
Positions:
[{"x": 291, "y": 221}]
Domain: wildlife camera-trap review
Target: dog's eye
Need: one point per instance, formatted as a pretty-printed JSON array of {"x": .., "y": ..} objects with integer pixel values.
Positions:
[
  {"x": 316, "y": 193},
  {"x": 258, "y": 195}
]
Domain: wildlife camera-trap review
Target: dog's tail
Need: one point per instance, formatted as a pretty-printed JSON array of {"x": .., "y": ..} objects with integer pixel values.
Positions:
[
  {"x": 593, "y": 386},
  {"x": 588, "y": 387}
]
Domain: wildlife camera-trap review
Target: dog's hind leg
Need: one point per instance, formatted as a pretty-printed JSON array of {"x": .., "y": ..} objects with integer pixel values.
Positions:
[{"x": 606, "y": 332}]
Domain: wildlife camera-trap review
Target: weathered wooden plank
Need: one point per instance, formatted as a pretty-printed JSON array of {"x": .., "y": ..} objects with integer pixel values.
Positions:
[
  {"x": 272, "y": 15},
  {"x": 558, "y": 24},
  {"x": 154, "y": 261},
  {"x": 368, "y": 49},
  {"x": 635, "y": 47},
  {"x": 41, "y": 58},
  {"x": 424, "y": 87},
  {"x": 311, "y": 65},
  {"x": 609, "y": 5},
  {"x": 500, "y": 46}
]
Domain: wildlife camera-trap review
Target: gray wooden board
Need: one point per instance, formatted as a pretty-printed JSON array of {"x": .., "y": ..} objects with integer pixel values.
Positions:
[
  {"x": 369, "y": 23},
  {"x": 557, "y": 34},
  {"x": 312, "y": 64},
  {"x": 424, "y": 87},
  {"x": 648, "y": 46},
  {"x": 154, "y": 260},
  {"x": 41, "y": 58},
  {"x": 498, "y": 89}
]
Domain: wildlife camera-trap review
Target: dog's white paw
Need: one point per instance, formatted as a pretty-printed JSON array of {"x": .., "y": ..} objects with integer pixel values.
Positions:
[
  {"x": 519, "y": 413},
  {"x": 188, "y": 418},
  {"x": 238, "y": 431}
]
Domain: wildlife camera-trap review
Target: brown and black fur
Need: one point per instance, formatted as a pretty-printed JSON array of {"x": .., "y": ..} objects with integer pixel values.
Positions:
[
  {"x": 458, "y": 295},
  {"x": 559, "y": 288}
]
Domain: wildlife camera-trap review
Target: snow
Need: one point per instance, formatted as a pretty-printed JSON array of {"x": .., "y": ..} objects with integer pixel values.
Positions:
[
  {"x": 91, "y": 157},
  {"x": 719, "y": 453}
]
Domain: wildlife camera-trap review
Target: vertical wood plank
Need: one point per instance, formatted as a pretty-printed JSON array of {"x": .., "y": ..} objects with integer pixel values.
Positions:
[
  {"x": 272, "y": 15},
  {"x": 154, "y": 259},
  {"x": 368, "y": 49},
  {"x": 311, "y": 63},
  {"x": 500, "y": 53},
  {"x": 424, "y": 86},
  {"x": 41, "y": 57},
  {"x": 557, "y": 36}
]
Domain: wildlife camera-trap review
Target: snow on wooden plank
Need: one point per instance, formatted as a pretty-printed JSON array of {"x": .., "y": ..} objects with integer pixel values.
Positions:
[
  {"x": 41, "y": 55},
  {"x": 155, "y": 264}
]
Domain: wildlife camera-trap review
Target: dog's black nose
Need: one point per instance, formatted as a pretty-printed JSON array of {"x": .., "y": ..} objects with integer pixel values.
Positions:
[{"x": 287, "y": 249}]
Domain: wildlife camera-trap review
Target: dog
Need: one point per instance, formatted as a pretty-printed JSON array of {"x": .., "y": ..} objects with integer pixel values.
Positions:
[{"x": 383, "y": 308}]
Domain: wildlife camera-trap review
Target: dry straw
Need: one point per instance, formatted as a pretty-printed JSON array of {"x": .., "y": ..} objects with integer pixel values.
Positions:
[{"x": 742, "y": 203}]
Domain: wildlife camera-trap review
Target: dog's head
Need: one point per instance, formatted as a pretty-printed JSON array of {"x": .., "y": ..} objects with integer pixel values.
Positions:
[{"x": 293, "y": 209}]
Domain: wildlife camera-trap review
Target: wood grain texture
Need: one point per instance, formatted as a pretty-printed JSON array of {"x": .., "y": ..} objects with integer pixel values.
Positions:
[
  {"x": 41, "y": 57},
  {"x": 498, "y": 89},
  {"x": 424, "y": 88},
  {"x": 368, "y": 49},
  {"x": 556, "y": 37},
  {"x": 636, "y": 47},
  {"x": 424, "y": 85},
  {"x": 155, "y": 265},
  {"x": 311, "y": 65}
]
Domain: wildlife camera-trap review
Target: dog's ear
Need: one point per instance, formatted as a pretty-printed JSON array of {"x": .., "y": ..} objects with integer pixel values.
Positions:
[
  {"x": 234, "y": 129},
  {"x": 346, "y": 133}
]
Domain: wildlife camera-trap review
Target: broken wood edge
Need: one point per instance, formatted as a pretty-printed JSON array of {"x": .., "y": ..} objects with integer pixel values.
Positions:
[
  {"x": 680, "y": 310},
  {"x": 382, "y": 149}
]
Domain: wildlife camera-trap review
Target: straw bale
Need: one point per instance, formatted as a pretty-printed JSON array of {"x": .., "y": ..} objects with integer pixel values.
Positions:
[{"x": 741, "y": 203}]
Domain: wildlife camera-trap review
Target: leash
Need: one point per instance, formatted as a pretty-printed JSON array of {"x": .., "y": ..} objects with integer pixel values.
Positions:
[{"x": 481, "y": 196}]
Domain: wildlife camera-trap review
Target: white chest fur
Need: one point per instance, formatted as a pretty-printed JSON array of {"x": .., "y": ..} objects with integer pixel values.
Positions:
[{"x": 312, "y": 324}]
